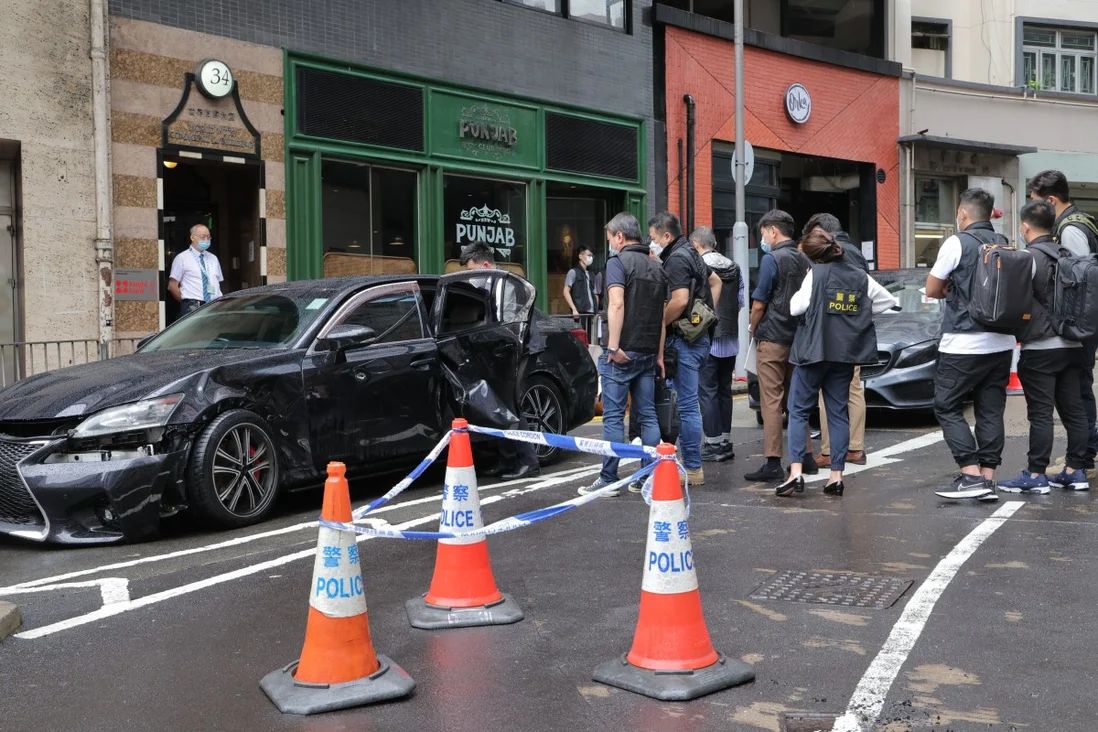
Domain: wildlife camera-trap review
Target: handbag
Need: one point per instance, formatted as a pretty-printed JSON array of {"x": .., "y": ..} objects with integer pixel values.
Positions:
[
  {"x": 667, "y": 411},
  {"x": 696, "y": 322}
]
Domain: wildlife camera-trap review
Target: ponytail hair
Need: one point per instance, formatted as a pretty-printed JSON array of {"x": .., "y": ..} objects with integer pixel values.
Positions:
[{"x": 820, "y": 246}]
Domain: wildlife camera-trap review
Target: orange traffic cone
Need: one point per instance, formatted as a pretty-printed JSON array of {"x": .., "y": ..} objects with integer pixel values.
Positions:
[
  {"x": 463, "y": 590},
  {"x": 338, "y": 666},
  {"x": 1014, "y": 384},
  {"x": 672, "y": 657}
]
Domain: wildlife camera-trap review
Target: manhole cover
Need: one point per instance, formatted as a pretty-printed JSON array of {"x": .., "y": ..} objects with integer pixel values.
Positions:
[
  {"x": 806, "y": 722},
  {"x": 833, "y": 588}
]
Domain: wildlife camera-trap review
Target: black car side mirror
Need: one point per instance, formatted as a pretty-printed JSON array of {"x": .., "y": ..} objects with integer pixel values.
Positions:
[{"x": 345, "y": 336}]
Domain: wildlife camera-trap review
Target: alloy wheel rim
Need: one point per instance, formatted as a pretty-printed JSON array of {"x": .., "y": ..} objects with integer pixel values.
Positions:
[
  {"x": 542, "y": 413},
  {"x": 243, "y": 470}
]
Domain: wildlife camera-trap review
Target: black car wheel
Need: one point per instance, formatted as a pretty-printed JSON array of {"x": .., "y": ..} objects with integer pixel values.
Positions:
[
  {"x": 543, "y": 409},
  {"x": 233, "y": 473}
]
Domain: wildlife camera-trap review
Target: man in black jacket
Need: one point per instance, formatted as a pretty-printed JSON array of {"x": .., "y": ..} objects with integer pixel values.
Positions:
[
  {"x": 635, "y": 294},
  {"x": 1076, "y": 232},
  {"x": 1049, "y": 368},
  {"x": 782, "y": 269},
  {"x": 719, "y": 367}
]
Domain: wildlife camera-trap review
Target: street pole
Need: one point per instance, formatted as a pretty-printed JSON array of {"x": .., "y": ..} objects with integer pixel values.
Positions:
[{"x": 739, "y": 231}]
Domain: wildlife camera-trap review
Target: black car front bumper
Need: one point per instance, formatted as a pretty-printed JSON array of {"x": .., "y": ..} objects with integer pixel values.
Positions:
[{"x": 83, "y": 502}]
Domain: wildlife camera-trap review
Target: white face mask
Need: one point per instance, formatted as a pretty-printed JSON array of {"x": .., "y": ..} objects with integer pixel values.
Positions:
[
  {"x": 655, "y": 247},
  {"x": 588, "y": 260}
]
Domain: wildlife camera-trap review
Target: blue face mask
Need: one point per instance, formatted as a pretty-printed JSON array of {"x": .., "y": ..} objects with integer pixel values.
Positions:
[
  {"x": 765, "y": 247},
  {"x": 203, "y": 244}
]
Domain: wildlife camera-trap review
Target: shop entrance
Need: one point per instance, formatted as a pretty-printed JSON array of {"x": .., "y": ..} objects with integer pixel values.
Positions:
[
  {"x": 575, "y": 217},
  {"x": 224, "y": 197},
  {"x": 800, "y": 185}
]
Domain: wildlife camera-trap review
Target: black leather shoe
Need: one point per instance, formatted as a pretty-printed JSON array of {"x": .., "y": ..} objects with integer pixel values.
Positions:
[
  {"x": 492, "y": 471},
  {"x": 791, "y": 486},
  {"x": 834, "y": 489},
  {"x": 522, "y": 471},
  {"x": 766, "y": 474}
]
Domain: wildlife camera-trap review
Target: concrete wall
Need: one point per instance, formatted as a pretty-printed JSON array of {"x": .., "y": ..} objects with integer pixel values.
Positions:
[
  {"x": 46, "y": 107},
  {"x": 984, "y": 46},
  {"x": 487, "y": 44}
]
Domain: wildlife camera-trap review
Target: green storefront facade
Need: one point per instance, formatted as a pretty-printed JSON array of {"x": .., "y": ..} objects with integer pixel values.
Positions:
[{"x": 388, "y": 173}]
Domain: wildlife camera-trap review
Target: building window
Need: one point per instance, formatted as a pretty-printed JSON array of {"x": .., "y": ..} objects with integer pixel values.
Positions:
[
  {"x": 935, "y": 216},
  {"x": 370, "y": 213},
  {"x": 491, "y": 211},
  {"x": 610, "y": 13},
  {"x": 930, "y": 47},
  {"x": 1056, "y": 59}
]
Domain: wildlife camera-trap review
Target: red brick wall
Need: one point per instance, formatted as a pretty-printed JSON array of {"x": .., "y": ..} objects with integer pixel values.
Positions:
[{"x": 855, "y": 116}]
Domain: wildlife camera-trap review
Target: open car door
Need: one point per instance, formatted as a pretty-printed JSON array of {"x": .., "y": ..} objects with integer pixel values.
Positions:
[{"x": 481, "y": 319}]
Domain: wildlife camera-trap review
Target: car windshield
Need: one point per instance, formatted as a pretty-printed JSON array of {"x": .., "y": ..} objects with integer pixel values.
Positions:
[
  {"x": 912, "y": 300},
  {"x": 270, "y": 320}
]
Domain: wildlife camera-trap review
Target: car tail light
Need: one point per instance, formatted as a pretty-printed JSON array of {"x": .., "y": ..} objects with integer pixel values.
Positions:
[{"x": 580, "y": 335}]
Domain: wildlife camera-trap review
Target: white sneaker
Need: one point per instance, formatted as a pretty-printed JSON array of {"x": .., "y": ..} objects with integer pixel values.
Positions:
[{"x": 597, "y": 485}]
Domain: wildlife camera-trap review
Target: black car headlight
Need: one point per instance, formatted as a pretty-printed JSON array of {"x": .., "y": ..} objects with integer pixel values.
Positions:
[
  {"x": 917, "y": 355},
  {"x": 141, "y": 415}
]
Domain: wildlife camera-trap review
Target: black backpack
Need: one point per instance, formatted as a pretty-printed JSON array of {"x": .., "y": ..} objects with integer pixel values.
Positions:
[
  {"x": 1002, "y": 287},
  {"x": 1074, "y": 310}
]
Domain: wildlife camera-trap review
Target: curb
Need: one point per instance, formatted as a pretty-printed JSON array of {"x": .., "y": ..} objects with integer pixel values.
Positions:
[{"x": 10, "y": 619}]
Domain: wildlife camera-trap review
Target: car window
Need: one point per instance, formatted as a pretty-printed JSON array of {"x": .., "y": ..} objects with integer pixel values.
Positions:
[
  {"x": 394, "y": 317},
  {"x": 912, "y": 300},
  {"x": 465, "y": 305},
  {"x": 248, "y": 321},
  {"x": 515, "y": 298}
]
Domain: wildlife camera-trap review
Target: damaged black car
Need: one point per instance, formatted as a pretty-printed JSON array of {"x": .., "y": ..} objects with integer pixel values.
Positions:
[{"x": 253, "y": 394}]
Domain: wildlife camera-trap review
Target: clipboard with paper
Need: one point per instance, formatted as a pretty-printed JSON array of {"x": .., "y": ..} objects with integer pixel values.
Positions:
[{"x": 749, "y": 359}]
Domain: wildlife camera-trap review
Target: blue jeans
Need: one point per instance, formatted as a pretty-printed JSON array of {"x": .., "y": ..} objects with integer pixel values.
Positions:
[
  {"x": 691, "y": 358},
  {"x": 619, "y": 381},
  {"x": 804, "y": 389}
]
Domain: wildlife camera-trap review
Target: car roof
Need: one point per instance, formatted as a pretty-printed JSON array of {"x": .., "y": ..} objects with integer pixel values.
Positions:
[{"x": 332, "y": 285}]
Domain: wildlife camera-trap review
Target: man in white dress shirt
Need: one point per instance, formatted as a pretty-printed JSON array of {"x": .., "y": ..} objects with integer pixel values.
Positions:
[{"x": 196, "y": 276}]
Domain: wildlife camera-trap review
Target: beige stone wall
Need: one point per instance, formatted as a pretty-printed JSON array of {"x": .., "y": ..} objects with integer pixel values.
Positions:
[
  {"x": 148, "y": 62},
  {"x": 45, "y": 105}
]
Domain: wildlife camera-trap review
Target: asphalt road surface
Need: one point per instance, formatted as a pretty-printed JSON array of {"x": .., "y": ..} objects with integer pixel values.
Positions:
[{"x": 997, "y": 630}]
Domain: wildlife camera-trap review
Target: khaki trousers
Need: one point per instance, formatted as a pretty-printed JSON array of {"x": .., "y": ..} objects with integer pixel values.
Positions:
[
  {"x": 855, "y": 408},
  {"x": 773, "y": 370}
]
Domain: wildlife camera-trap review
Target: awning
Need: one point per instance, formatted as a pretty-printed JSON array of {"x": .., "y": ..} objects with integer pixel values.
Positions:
[{"x": 976, "y": 146}]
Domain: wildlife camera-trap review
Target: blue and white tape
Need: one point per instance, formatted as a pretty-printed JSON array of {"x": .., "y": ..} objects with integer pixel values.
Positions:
[
  {"x": 408, "y": 480},
  {"x": 575, "y": 444},
  {"x": 508, "y": 524}
]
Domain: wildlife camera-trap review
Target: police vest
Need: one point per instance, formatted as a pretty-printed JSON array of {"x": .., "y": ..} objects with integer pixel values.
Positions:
[
  {"x": 838, "y": 325},
  {"x": 645, "y": 294},
  {"x": 581, "y": 291},
  {"x": 955, "y": 316},
  {"x": 777, "y": 325}
]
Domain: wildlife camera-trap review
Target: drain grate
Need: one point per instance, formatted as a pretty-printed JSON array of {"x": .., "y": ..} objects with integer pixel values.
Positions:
[
  {"x": 806, "y": 722},
  {"x": 848, "y": 589}
]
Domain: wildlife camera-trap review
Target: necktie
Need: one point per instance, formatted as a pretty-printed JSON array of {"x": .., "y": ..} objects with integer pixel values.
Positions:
[{"x": 205, "y": 278}]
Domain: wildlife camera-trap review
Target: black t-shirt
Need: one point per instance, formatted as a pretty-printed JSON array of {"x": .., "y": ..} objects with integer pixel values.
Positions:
[{"x": 685, "y": 269}]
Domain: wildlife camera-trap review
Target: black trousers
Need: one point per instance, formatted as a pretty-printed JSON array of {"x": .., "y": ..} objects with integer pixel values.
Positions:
[
  {"x": 1086, "y": 388},
  {"x": 981, "y": 378},
  {"x": 715, "y": 394},
  {"x": 1053, "y": 377}
]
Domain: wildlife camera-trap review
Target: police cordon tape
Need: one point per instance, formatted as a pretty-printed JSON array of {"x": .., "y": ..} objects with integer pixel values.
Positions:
[{"x": 575, "y": 444}]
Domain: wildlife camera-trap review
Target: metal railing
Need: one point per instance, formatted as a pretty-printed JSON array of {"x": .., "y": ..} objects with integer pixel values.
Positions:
[{"x": 28, "y": 358}]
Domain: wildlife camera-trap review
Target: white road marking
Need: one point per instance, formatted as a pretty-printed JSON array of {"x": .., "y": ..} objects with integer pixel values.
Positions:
[
  {"x": 885, "y": 456},
  {"x": 241, "y": 540},
  {"x": 118, "y": 608},
  {"x": 869, "y": 696},
  {"x": 111, "y": 589}
]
